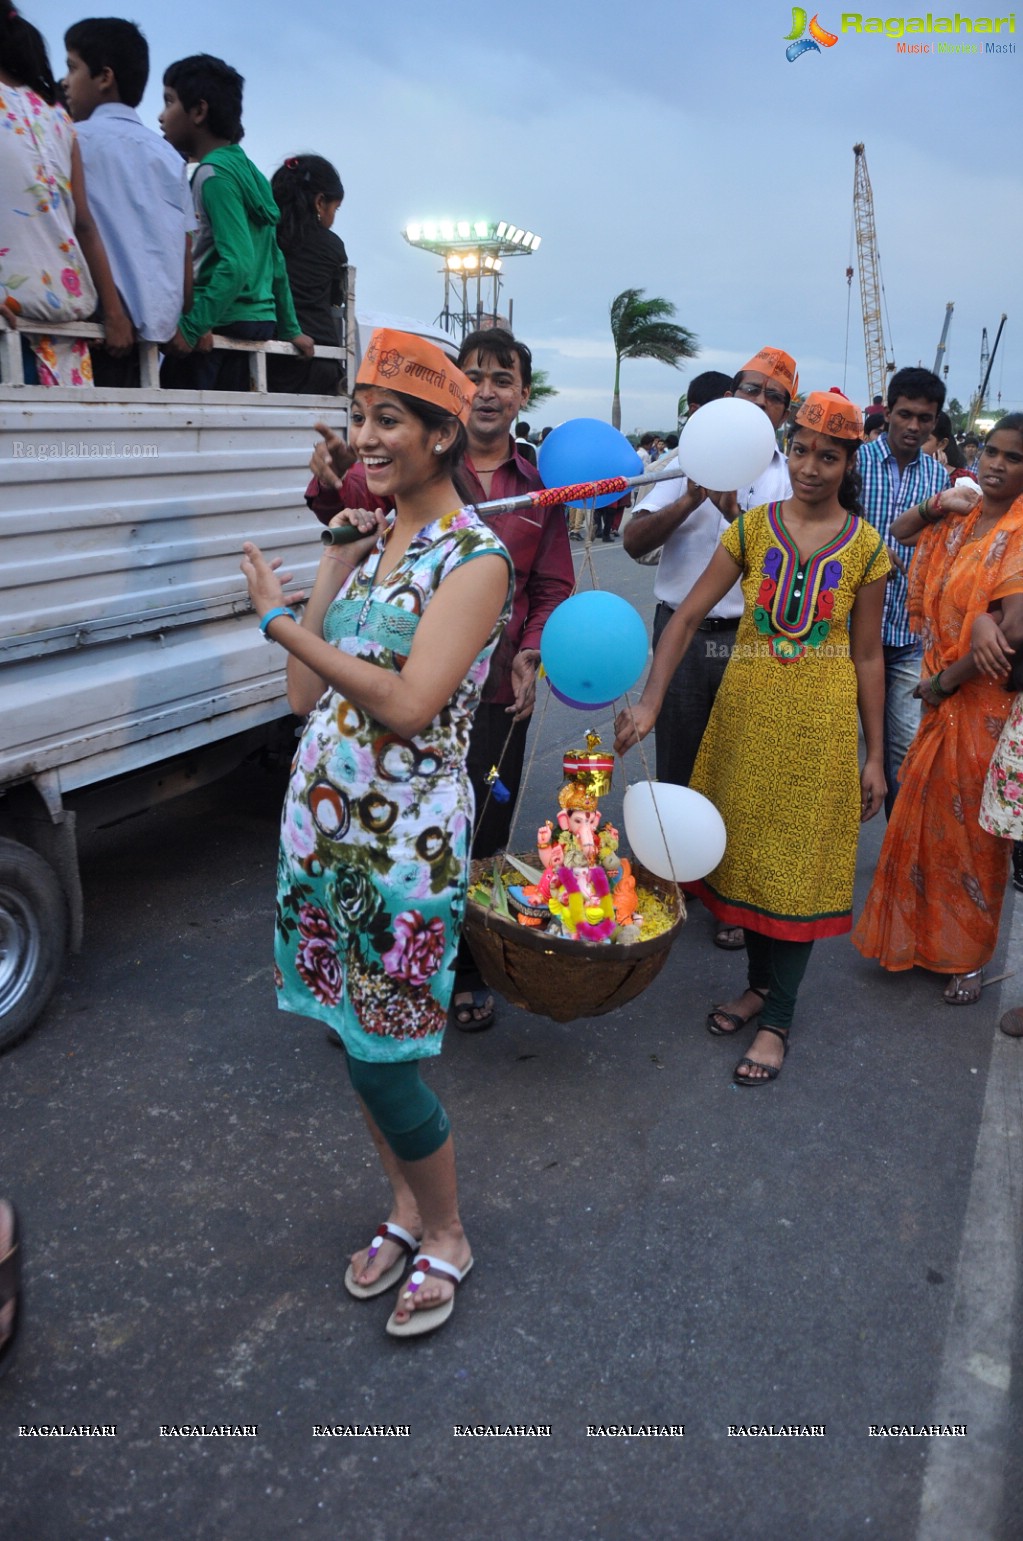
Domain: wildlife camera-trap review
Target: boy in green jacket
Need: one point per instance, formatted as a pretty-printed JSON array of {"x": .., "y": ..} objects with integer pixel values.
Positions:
[{"x": 241, "y": 285}]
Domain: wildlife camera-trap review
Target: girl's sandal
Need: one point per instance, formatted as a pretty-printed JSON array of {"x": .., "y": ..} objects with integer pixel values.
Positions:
[
  {"x": 738, "y": 1022},
  {"x": 771, "y": 1072},
  {"x": 390, "y": 1276},
  {"x": 426, "y": 1318}
]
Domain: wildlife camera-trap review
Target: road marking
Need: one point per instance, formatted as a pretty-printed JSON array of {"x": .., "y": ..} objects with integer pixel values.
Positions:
[{"x": 964, "y": 1478}]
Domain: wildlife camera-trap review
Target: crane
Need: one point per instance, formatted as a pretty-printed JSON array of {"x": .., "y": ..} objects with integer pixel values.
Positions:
[
  {"x": 878, "y": 366},
  {"x": 986, "y": 364},
  {"x": 949, "y": 308}
]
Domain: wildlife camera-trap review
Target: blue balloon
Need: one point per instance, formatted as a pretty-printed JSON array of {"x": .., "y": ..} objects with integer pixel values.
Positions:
[
  {"x": 580, "y": 706},
  {"x": 594, "y": 647},
  {"x": 586, "y": 449}
]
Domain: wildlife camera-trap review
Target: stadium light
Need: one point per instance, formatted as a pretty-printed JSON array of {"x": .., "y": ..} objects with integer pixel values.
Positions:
[{"x": 470, "y": 249}]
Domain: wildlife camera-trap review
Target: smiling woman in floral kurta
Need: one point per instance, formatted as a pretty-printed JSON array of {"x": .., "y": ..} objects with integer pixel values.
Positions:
[
  {"x": 388, "y": 663},
  {"x": 376, "y": 830}
]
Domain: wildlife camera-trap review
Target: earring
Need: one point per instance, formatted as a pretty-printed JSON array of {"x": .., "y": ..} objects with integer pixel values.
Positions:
[{"x": 438, "y": 449}]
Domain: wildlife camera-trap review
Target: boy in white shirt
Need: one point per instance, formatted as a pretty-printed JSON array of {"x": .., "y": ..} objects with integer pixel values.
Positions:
[{"x": 138, "y": 185}]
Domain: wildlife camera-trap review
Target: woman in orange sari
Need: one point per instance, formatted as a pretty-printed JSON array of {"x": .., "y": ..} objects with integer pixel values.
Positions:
[{"x": 937, "y": 893}]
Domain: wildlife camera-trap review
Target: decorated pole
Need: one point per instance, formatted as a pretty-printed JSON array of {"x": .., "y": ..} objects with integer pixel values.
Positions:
[{"x": 544, "y": 497}]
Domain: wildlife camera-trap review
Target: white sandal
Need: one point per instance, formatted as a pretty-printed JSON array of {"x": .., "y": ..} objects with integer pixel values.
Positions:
[
  {"x": 390, "y": 1276},
  {"x": 428, "y": 1318}
]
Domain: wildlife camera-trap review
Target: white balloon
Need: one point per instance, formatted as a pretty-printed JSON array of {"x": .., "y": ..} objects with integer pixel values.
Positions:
[
  {"x": 726, "y": 444},
  {"x": 675, "y": 832}
]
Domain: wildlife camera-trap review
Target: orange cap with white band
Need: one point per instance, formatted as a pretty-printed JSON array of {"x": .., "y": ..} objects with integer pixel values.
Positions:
[
  {"x": 831, "y": 413},
  {"x": 400, "y": 361},
  {"x": 773, "y": 364}
]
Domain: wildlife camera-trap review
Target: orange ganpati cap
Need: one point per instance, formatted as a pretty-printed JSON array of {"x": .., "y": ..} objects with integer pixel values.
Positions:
[
  {"x": 831, "y": 413},
  {"x": 775, "y": 365},
  {"x": 400, "y": 361}
]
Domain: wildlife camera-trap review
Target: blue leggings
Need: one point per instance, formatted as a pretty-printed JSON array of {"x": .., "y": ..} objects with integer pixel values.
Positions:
[{"x": 407, "y": 1113}]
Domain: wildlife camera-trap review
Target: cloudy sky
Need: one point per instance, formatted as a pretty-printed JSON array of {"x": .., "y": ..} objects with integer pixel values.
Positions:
[{"x": 661, "y": 145}]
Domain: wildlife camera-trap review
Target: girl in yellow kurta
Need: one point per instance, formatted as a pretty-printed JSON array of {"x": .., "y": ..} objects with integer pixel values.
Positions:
[{"x": 779, "y": 758}]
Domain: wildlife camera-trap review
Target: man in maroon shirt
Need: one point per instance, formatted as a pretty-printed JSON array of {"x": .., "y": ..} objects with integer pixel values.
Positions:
[{"x": 501, "y": 369}]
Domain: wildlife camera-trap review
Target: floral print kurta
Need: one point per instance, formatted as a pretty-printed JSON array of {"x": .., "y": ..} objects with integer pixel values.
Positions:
[
  {"x": 43, "y": 275},
  {"x": 1001, "y": 805},
  {"x": 376, "y": 830}
]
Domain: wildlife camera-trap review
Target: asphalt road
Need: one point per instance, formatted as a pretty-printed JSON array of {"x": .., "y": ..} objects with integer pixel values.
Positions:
[{"x": 653, "y": 1246}]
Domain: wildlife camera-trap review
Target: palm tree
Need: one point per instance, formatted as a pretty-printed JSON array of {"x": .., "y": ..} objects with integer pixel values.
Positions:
[
  {"x": 541, "y": 390},
  {"x": 643, "y": 329}
]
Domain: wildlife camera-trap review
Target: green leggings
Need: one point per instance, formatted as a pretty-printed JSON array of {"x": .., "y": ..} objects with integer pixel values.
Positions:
[
  {"x": 777, "y": 967},
  {"x": 407, "y": 1113}
]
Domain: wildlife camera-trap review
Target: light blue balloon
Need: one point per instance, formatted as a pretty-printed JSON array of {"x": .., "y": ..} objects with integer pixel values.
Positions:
[
  {"x": 586, "y": 449},
  {"x": 594, "y": 647}
]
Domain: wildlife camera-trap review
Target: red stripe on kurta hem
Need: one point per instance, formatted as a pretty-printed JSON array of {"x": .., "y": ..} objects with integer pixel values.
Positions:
[{"x": 786, "y": 928}]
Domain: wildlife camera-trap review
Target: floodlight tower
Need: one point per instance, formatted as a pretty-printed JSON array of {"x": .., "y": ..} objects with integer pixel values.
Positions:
[{"x": 473, "y": 251}]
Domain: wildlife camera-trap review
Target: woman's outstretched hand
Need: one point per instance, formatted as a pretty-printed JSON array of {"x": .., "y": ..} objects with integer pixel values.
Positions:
[{"x": 266, "y": 583}]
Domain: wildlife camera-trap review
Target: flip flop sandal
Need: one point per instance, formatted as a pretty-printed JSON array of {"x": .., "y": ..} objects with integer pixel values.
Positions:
[
  {"x": 738, "y": 1023},
  {"x": 771, "y": 1072},
  {"x": 724, "y": 938},
  {"x": 956, "y": 983},
  {"x": 429, "y": 1318},
  {"x": 464, "y": 1012},
  {"x": 390, "y": 1276},
  {"x": 10, "y": 1291}
]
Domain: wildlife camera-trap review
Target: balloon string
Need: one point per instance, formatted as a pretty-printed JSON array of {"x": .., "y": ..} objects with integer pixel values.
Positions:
[
  {"x": 538, "y": 734},
  {"x": 651, "y": 781},
  {"x": 596, "y": 490},
  {"x": 640, "y": 746}
]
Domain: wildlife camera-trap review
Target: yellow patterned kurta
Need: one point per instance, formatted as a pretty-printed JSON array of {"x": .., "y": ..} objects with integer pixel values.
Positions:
[{"x": 780, "y": 757}]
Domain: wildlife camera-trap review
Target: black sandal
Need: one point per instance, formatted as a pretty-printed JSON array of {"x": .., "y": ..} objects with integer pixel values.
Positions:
[
  {"x": 10, "y": 1291},
  {"x": 738, "y": 1023},
  {"x": 771, "y": 1072},
  {"x": 474, "y": 1016}
]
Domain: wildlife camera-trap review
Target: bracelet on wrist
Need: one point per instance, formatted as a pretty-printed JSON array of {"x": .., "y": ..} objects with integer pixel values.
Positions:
[
  {"x": 273, "y": 615},
  {"x": 333, "y": 554},
  {"x": 937, "y": 689}
]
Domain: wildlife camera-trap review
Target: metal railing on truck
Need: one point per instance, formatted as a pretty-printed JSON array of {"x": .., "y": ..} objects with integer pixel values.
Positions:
[{"x": 130, "y": 661}]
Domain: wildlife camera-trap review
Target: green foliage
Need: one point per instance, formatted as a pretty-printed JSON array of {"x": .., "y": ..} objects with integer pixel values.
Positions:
[
  {"x": 541, "y": 391},
  {"x": 957, "y": 414},
  {"x": 642, "y": 328}
]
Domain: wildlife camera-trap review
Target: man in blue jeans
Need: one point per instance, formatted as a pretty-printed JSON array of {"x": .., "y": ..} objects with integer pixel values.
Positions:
[{"x": 896, "y": 476}]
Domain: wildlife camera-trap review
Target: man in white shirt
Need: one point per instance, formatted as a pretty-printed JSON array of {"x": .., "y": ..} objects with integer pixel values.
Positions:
[
  {"x": 137, "y": 185},
  {"x": 687, "y": 522}
]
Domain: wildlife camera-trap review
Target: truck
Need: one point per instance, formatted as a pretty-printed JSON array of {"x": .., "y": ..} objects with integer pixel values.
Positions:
[{"x": 131, "y": 665}]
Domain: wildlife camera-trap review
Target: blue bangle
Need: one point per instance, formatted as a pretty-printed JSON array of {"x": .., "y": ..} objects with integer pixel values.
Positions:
[{"x": 271, "y": 615}]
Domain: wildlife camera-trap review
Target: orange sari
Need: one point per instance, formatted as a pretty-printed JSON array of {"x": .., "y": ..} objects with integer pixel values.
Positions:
[{"x": 936, "y": 898}]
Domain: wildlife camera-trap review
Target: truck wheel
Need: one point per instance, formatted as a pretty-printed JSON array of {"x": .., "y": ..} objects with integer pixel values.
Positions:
[{"x": 33, "y": 938}]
